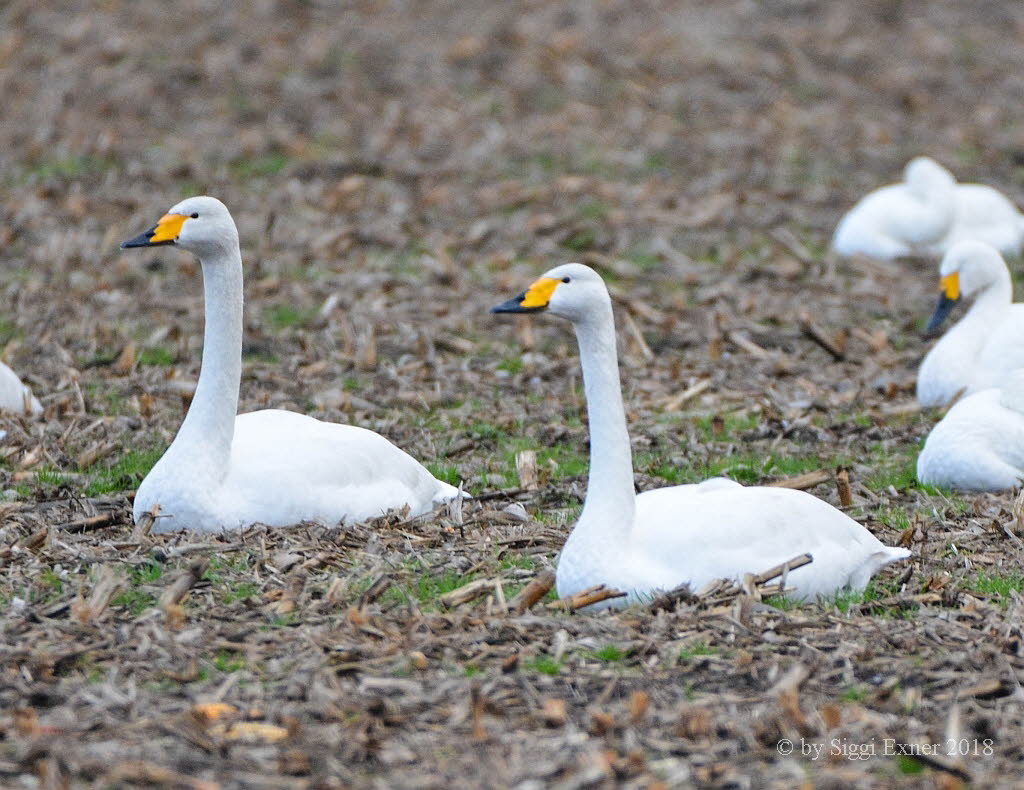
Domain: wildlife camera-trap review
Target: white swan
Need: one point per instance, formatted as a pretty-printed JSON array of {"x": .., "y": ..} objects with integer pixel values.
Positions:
[
  {"x": 927, "y": 214},
  {"x": 984, "y": 214},
  {"x": 272, "y": 467},
  {"x": 690, "y": 533},
  {"x": 15, "y": 396},
  {"x": 901, "y": 219},
  {"x": 979, "y": 444},
  {"x": 984, "y": 346}
]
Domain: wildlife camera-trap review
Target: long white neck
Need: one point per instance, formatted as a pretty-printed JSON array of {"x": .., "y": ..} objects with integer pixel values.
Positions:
[
  {"x": 609, "y": 507},
  {"x": 206, "y": 434},
  {"x": 988, "y": 310}
]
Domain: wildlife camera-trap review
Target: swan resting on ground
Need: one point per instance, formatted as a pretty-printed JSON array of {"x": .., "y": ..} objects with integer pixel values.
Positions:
[
  {"x": 271, "y": 467},
  {"x": 926, "y": 214},
  {"x": 984, "y": 214},
  {"x": 689, "y": 533},
  {"x": 900, "y": 219},
  {"x": 987, "y": 344},
  {"x": 979, "y": 444},
  {"x": 15, "y": 396}
]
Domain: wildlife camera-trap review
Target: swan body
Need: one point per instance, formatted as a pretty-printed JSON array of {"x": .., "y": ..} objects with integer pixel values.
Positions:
[
  {"x": 15, "y": 396},
  {"x": 984, "y": 214},
  {"x": 902, "y": 219},
  {"x": 979, "y": 444},
  {"x": 273, "y": 467},
  {"x": 927, "y": 214},
  {"x": 683, "y": 534},
  {"x": 987, "y": 344}
]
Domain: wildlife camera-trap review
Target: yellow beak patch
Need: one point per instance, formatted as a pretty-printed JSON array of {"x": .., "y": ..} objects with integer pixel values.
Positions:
[
  {"x": 950, "y": 285},
  {"x": 539, "y": 294},
  {"x": 168, "y": 228}
]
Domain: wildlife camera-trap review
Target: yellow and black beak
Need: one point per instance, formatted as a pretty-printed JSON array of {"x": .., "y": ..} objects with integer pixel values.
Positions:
[
  {"x": 165, "y": 231},
  {"x": 948, "y": 297},
  {"x": 532, "y": 300}
]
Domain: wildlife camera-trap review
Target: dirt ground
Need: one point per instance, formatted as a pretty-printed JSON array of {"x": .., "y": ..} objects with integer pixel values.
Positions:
[{"x": 394, "y": 170}]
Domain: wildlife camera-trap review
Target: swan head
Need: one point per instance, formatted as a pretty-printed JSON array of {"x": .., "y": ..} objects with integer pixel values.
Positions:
[
  {"x": 571, "y": 291},
  {"x": 967, "y": 268},
  {"x": 202, "y": 225},
  {"x": 924, "y": 177}
]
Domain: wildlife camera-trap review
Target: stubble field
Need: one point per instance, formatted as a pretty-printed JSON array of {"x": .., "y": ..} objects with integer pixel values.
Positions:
[{"x": 395, "y": 169}]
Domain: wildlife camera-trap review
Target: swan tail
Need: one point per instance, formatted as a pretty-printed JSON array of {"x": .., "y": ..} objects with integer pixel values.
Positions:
[
  {"x": 447, "y": 493},
  {"x": 874, "y": 562},
  {"x": 890, "y": 554}
]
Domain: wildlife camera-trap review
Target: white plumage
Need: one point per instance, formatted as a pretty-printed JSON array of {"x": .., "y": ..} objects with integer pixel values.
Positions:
[
  {"x": 901, "y": 219},
  {"x": 272, "y": 467},
  {"x": 987, "y": 344},
  {"x": 15, "y": 396},
  {"x": 979, "y": 444},
  {"x": 984, "y": 214},
  {"x": 926, "y": 214},
  {"x": 692, "y": 533}
]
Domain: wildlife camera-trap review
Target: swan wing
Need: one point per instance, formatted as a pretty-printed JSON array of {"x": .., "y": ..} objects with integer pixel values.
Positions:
[
  {"x": 977, "y": 446},
  {"x": 13, "y": 393},
  {"x": 698, "y": 535},
  {"x": 888, "y": 223},
  {"x": 985, "y": 214},
  {"x": 287, "y": 467},
  {"x": 1003, "y": 351}
]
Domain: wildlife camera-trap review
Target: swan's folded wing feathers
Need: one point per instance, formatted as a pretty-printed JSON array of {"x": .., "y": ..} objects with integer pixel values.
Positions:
[
  {"x": 285, "y": 451},
  {"x": 735, "y": 529},
  {"x": 13, "y": 393}
]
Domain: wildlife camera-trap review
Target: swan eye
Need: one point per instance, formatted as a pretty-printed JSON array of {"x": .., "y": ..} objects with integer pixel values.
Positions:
[
  {"x": 566, "y": 279},
  {"x": 195, "y": 215}
]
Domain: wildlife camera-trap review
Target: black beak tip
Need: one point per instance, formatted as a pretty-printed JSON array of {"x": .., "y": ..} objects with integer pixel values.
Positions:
[
  {"x": 943, "y": 308},
  {"x": 511, "y": 305},
  {"x": 144, "y": 240}
]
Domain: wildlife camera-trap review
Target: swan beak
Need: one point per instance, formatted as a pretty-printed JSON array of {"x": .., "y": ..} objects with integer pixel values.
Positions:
[
  {"x": 532, "y": 300},
  {"x": 948, "y": 298},
  {"x": 165, "y": 231}
]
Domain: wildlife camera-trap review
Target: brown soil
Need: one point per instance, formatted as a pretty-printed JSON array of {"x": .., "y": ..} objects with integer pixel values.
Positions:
[{"x": 395, "y": 169}]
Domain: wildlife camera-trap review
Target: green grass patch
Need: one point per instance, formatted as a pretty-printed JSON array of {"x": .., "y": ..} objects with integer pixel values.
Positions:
[
  {"x": 856, "y": 693},
  {"x": 448, "y": 473},
  {"x": 782, "y": 602},
  {"x": 228, "y": 661},
  {"x": 283, "y": 316},
  {"x": 157, "y": 356},
  {"x": 49, "y": 476},
  {"x": 594, "y": 209},
  {"x": 68, "y": 168},
  {"x": 420, "y": 584},
  {"x": 545, "y": 665},
  {"x": 135, "y": 601},
  {"x": 845, "y": 600},
  {"x": 259, "y": 166},
  {"x": 725, "y": 427},
  {"x": 511, "y": 365},
  {"x": 241, "y": 591},
  {"x": 104, "y": 400},
  {"x": 124, "y": 474},
  {"x": 609, "y": 654},
  {"x": 996, "y": 585},
  {"x": 580, "y": 241},
  {"x": 8, "y": 331},
  {"x": 746, "y": 468},
  {"x": 146, "y": 573},
  {"x": 520, "y": 561},
  {"x": 696, "y": 649},
  {"x": 645, "y": 259},
  {"x": 894, "y": 466},
  {"x": 908, "y": 765}
]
